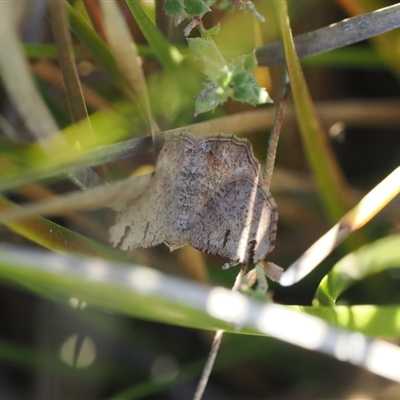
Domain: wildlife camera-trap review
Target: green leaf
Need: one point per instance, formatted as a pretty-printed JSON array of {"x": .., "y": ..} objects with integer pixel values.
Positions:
[
  {"x": 214, "y": 30},
  {"x": 182, "y": 9},
  {"x": 249, "y": 61},
  {"x": 205, "y": 50},
  {"x": 209, "y": 98},
  {"x": 369, "y": 259},
  {"x": 250, "y": 92},
  {"x": 195, "y": 7},
  {"x": 235, "y": 80},
  {"x": 175, "y": 9},
  {"x": 226, "y": 5},
  {"x": 239, "y": 78}
]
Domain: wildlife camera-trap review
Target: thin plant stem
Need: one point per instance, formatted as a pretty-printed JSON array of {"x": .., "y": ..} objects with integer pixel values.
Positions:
[
  {"x": 216, "y": 344},
  {"x": 275, "y": 131},
  {"x": 63, "y": 41}
]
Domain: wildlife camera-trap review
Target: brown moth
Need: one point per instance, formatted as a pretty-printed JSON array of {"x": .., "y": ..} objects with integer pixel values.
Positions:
[{"x": 208, "y": 192}]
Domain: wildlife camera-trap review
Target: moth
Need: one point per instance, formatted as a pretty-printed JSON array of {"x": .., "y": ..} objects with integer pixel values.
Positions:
[{"x": 206, "y": 191}]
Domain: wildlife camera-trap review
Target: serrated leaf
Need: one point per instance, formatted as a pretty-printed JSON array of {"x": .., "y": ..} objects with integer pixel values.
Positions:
[
  {"x": 205, "y": 50},
  {"x": 182, "y": 9},
  {"x": 226, "y": 5},
  {"x": 195, "y": 7},
  {"x": 235, "y": 80},
  {"x": 223, "y": 79},
  {"x": 249, "y": 61},
  {"x": 243, "y": 94},
  {"x": 214, "y": 30},
  {"x": 209, "y": 98},
  {"x": 210, "y": 3},
  {"x": 239, "y": 78},
  {"x": 251, "y": 92},
  {"x": 174, "y": 8}
]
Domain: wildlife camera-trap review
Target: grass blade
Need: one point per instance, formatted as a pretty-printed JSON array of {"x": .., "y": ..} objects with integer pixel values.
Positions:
[
  {"x": 146, "y": 293},
  {"x": 332, "y": 185},
  {"x": 168, "y": 55},
  {"x": 369, "y": 259},
  {"x": 366, "y": 209},
  {"x": 55, "y": 237}
]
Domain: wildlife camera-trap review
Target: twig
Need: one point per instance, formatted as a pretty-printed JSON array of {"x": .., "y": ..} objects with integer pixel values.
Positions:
[
  {"x": 85, "y": 178},
  {"x": 216, "y": 343},
  {"x": 343, "y": 33},
  {"x": 115, "y": 195},
  {"x": 276, "y": 129},
  {"x": 249, "y": 7},
  {"x": 62, "y": 38}
]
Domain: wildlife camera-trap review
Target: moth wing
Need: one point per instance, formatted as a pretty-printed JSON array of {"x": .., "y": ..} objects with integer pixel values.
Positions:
[
  {"x": 148, "y": 221},
  {"x": 238, "y": 222},
  {"x": 136, "y": 227}
]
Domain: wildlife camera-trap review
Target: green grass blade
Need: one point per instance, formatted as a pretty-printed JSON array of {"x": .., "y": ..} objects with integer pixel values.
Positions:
[
  {"x": 29, "y": 163},
  {"x": 168, "y": 55},
  {"x": 39, "y": 50},
  {"x": 371, "y": 320},
  {"x": 67, "y": 62},
  {"x": 146, "y": 293},
  {"x": 369, "y": 259},
  {"x": 57, "y": 238},
  {"x": 88, "y": 36},
  {"x": 329, "y": 177}
]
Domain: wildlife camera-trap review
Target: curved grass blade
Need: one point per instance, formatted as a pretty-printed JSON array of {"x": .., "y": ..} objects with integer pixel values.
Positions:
[
  {"x": 369, "y": 259},
  {"x": 372, "y": 320},
  {"x": 366, "y": 209}
]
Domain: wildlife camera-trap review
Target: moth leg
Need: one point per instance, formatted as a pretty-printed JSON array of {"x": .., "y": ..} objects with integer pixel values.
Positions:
[{"x": 230, "y": 264}]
